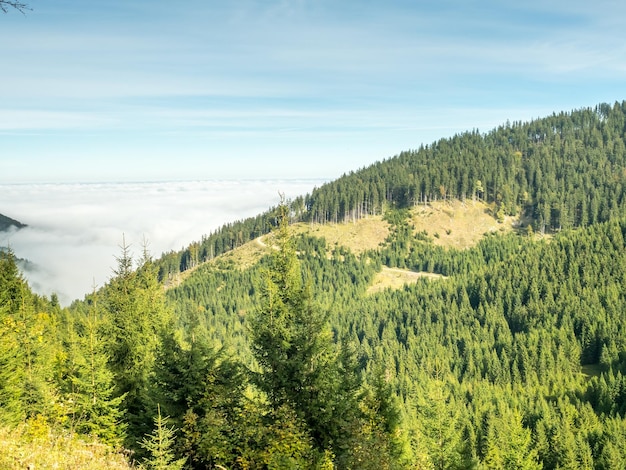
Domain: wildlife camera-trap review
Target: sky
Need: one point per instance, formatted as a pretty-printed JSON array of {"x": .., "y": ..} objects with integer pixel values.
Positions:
[{"x": 133, "y": 90}]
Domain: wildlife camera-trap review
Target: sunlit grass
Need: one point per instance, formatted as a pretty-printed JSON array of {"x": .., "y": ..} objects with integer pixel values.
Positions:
[
  {"x": 456, "y": 224},
  {"x": 37, "y": 447},
  {"x": 359, "y": 236},
  {"x": 395, "y": 278}
]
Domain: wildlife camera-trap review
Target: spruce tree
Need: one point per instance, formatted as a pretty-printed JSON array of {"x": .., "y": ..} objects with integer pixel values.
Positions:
[
  {"x": 293, "y": 345},
  {"x": 26, "y": 349},
  {"x": 11, "y": 355},
  {"x": 96, "y": 410},
  {"x": 137, "y": 317},
  {"x": 159, "y": 446}
]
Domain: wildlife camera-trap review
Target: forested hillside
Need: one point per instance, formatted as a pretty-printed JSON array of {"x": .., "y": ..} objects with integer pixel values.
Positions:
[
  {"x": 514, "y": 357},
  {"x": 515, "y": 361},
  {"x": 563, "y": 171}
]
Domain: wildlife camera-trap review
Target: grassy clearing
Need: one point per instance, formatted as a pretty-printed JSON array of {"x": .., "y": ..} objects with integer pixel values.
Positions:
[
  {"x": 247, "y": 255},
  {"x": 457, "y": 224},
  {"x": 362, "y": 235},
  {"x": 592, "y": 370},
  {"x": 359, "y": 236},
  {"x": 394, "y": 278},
  {"x": 22, "y": 448},
  {"x": 452, "y": 224}
]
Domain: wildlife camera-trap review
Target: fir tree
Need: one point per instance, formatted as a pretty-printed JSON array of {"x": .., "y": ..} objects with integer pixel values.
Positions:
[
  {"x": 26, "y": 349},
  {"x": 96, "y": 410},
  {"x": 159, "y": 446},
  {"x": 292, "y": 342},
  {"x": 137, "y": 318}
]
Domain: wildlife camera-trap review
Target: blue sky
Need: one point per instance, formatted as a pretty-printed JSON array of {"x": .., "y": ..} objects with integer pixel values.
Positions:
[{"x": 150, "y": 90}]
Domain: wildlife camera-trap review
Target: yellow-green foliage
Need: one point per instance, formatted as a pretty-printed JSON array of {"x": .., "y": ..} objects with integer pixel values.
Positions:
[
  {"x": 35, "y": 445},
  {"x": 289, "y": 444}
]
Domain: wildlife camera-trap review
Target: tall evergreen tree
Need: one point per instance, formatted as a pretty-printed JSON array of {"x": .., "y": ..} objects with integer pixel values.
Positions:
[
  {"x": 26, "y": 349},
  {"x": 302, "y": 369},
  {"x": 137, "y": 318},
  {"x": 90, "y": 390},
  {"x": 292, "y": 342}
]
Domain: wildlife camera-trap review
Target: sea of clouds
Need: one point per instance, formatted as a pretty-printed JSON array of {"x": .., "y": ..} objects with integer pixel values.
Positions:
[{"x": 75, "y": 230}]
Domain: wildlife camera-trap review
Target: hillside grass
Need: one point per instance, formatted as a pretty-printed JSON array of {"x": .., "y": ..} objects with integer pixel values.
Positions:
[
  {"x": 452, "y": 224},
  {"x": 246, "y": 255},
  {"x": 359, "y": 236},
  {"x": 396, "y": 278},
  {"x": 35, "y": 446},
  {"x": 457, "y": 224}
]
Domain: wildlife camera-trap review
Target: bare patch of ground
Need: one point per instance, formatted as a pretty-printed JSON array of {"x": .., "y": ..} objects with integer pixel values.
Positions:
[
  {"x": 395, "y": 278},
  {"x": 457, "y": 224},
  {"x": 362, "y": 235}
]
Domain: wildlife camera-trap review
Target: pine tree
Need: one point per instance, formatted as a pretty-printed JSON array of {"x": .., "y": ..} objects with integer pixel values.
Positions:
[
  {"x": 26, "y": 349},
  {"x": 375, "y": 441},
  {"x": 509, "y": 444},
  {"x": 440, "y": 421},
  {"x": 96, "y": 410},
  {"x": 290, "y": 336},
  {"x": 159, "y": 446},
  {"x": 135, "y": 306},
  {"x": 293, "y": 345},
  {"x": 11, "y": 355}
]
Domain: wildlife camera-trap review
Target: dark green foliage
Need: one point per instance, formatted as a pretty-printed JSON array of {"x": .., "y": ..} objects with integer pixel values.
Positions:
[
  {"x": 564, "y": 171},
  {"x": 205, "y": 392},
  {"x": 293, "y": 344},
  {"x": 510, "y": 331},
  {"x": 289, "y": 333},
  {"x": 136, "y": 323}
]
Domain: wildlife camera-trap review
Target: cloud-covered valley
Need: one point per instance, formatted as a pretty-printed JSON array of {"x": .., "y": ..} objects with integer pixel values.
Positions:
[{"x": 75, "y": 230}]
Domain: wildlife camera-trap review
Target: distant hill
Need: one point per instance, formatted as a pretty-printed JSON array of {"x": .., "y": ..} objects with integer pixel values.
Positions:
[
  {"x": 7, "y": 222},
  {"x": 567, "y": 170}
]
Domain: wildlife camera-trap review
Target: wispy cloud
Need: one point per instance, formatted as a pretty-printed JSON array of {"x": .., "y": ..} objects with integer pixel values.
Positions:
[
  {"x": 335, "y": 81},
  {"x": 21, "y": 119},
  {"x": 135, "y": 90}
]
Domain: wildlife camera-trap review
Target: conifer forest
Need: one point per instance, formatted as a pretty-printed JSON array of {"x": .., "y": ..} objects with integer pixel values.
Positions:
[{"x": 512, "y": 357}]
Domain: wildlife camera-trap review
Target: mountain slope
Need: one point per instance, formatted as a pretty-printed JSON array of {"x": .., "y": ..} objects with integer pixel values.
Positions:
[
  {"x": 562, "y": 171},
  {"x": 6, "y": 223},
  {"x": 501, "y": 343},
  {"x": 499, "y": 349},
  {"x": 514, "y": 355}
]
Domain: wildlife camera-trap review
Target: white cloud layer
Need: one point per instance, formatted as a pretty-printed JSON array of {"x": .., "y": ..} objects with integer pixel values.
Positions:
[{"x": 75, "y": 230}]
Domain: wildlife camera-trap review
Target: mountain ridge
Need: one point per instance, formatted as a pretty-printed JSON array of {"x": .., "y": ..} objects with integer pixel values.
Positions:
[
  {"x": 7, "y": 222},
  {"x": 535, "y": 170}
]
